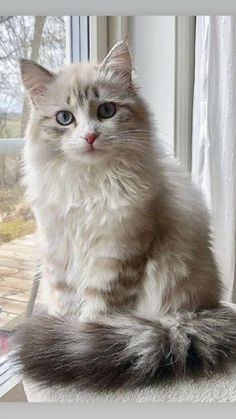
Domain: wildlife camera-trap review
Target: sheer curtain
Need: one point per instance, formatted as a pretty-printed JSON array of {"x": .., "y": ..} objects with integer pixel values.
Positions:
[{"x": 214, "y": 134}]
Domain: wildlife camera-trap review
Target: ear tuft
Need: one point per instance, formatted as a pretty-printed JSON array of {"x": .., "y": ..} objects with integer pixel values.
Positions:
[
  {"x": 119, "y": 60},
  {"x": 35, "y": 78}
]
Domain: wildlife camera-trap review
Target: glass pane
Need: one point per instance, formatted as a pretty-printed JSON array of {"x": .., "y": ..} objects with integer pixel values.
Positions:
[{"x": 43, "y": 39}]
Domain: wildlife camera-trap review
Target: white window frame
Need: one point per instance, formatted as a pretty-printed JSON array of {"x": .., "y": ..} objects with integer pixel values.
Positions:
[
  {"x": 98, "y": 37},
  {"x": 9, "y": 375},
  {"x": 105, "y": 31},
  {"x": 184, "y": 88},
  {"x": 78, "y": 45}
]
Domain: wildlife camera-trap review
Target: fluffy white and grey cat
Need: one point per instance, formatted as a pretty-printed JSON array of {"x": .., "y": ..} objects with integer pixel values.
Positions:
[{"x": 128, "y": 270}]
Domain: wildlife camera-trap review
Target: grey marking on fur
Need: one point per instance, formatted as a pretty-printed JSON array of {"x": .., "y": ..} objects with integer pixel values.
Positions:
[
  {"x": 81, "y": 97},
  {"x": 86, "y": 92},
  {"x": 54, "y": 130},
  {"x": 95, "y": 92}
]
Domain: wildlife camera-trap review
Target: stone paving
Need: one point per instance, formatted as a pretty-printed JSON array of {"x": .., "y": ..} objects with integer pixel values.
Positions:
[{"x": 18, "y": 263}]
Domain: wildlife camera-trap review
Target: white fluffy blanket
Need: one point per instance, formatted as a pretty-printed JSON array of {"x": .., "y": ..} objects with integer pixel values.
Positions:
[{"x": 218, "y": 388}]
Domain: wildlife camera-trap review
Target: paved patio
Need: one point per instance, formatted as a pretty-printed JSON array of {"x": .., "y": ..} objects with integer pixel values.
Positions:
[{"x": 18, "y": 264}]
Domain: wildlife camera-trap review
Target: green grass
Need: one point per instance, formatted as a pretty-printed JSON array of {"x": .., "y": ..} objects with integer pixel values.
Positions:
[
  {"x": 17, "y": 219},
  {"x": 10, "y": 230},
  {"x": 10, "y": 197},
  {"x": 12, "y": 128}
]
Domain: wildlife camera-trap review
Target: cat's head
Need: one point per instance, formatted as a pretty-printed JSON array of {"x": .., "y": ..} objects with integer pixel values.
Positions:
[{"x": 87, "y": 113}]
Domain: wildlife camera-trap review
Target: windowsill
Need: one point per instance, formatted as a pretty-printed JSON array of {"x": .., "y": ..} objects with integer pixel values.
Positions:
[
  {"x": 16, "y": 394},
  {"x": 11, "y": 145},
  {"x": 9, "y": 377}
]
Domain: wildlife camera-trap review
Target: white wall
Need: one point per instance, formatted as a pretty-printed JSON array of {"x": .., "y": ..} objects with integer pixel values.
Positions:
[{"x": 152, "y": 39}]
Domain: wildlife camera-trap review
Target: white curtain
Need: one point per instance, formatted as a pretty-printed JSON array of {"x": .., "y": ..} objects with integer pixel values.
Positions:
[{"x": 214, "y": 134}]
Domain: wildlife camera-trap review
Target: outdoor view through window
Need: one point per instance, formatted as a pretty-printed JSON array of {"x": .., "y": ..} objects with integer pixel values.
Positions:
[{"x": 42, "y": 39}]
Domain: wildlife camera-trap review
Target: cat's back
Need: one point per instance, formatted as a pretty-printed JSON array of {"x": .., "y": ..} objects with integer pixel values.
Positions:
[{"x": 181, "y": 194}]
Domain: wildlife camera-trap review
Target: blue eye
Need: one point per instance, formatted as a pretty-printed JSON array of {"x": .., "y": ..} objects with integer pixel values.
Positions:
[
  {"x": 64, "y": 117},
  {"x": 106, "y": 110}
]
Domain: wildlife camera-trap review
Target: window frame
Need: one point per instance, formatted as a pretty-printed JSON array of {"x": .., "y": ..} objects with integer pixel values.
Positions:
[
  {"x": 184, "y": 88},
  {"x": 78, "y": 35}
]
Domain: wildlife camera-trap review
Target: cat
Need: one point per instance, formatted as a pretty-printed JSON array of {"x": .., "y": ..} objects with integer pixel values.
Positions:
[{"x": 128, "y": 271}]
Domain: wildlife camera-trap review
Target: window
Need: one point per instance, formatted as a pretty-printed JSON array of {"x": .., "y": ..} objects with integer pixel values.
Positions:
[
  {"x": 43, "y": 39},
  {"x": 40, "y": 38},
  {"x": 54, "y": 41}
]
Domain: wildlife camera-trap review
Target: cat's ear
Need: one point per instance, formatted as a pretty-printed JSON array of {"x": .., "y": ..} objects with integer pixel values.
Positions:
[
  {"x": 119, "y": 61},
  {"x": 35, "y": 79}
]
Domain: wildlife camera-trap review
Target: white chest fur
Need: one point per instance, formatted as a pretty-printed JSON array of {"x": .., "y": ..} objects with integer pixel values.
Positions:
[{"x": 83, "y": 217}]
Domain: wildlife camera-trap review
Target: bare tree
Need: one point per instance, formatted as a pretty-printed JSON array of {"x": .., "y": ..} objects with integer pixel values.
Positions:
[
  {"x": 38, "y": 30},
  {"x": 40, "y": 38},
  {"x": 4, "y": 19}
]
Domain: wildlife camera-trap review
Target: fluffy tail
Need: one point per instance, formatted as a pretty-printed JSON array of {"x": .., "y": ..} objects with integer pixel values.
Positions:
[{"x": 124, "y": 350}]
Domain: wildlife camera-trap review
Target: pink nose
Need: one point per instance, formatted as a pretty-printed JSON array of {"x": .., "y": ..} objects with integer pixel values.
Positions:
[{"x": 91, "y": 137}]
